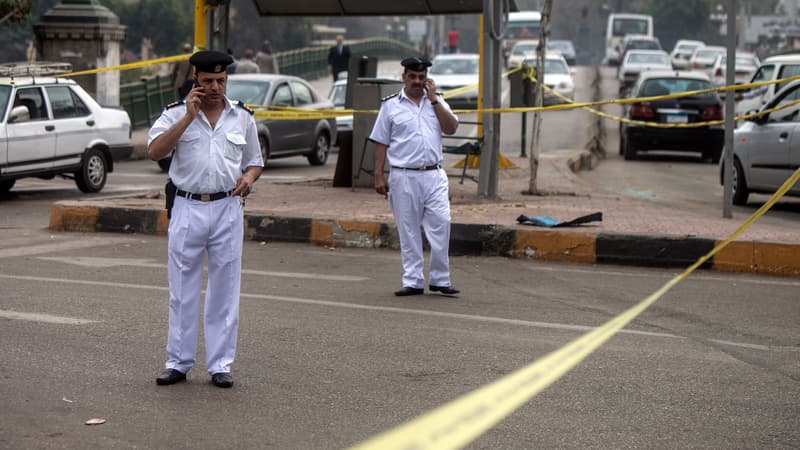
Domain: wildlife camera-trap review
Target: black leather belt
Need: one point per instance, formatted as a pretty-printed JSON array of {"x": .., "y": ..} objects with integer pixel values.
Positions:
[
  {"x": 433, "y": 167},
  {"x": 203, "y": 197}
]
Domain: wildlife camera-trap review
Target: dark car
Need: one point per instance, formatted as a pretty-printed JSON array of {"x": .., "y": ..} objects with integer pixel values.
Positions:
[
  {"x": 311, "y": 138},
  {"x": 707, "y": 140}
]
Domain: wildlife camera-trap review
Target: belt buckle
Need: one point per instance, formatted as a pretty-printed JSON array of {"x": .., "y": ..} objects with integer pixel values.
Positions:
[
  {"x": 205, "y": 197},
  {"x": 422, "y": 167}
]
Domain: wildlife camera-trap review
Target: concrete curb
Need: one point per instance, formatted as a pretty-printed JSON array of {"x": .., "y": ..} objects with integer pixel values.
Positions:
[{"x": 541, "y": 244}]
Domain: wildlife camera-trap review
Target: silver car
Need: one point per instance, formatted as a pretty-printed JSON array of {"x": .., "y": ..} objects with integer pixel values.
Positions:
[
  {"x": 767, "y": 148},
  {"x": 281, "y": 138}
]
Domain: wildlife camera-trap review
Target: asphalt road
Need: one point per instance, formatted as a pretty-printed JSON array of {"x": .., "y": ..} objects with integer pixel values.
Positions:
[{"x": 328, "y": 356}]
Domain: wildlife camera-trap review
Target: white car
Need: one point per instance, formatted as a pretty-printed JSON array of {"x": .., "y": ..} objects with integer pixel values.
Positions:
[
  {"x": 637, "y": 61},
  {"x": 521, "y": 50},
  {"x": 557, "y": 76},
  {"x": 772, "y": 68},
  {"x": 52, "y": 126},
  {"x": 703, "y": 58},
  {"x": 453, "y": 71},
  {"x": 683, "y": 51},
  {"x": 344, "y": 124},
  {"x": 746, "y": 66}
]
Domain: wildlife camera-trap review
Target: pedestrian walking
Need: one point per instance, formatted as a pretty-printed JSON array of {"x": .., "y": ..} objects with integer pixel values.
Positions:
[
  {"x": 408, "y": 132},
  {"x": 215, "y": 162},
  {"x": 338, "y": 57},
  {"x": 267, "y": 62},
  {"x": 182, "y": 75},
  {"x": 232, "y": 66},
  {"x": 246, "y": 64}
]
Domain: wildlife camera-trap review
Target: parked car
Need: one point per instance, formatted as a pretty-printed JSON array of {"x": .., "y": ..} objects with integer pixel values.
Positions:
[
  {"x": 767, "y": 149},
  {"x": 708, "y": 140},
  {"x": 311, "y": 138},
  {"x": 454, "y": 71},
  {"x": 344, "y": 124},
  {"x": 521, "y": 50},
  {"x": 772, "y": 68},
  {"x": 53, "y": 127},
  {"x": 682, "y": 52},
  {"x": 746, "y": 65},
  {"x": 557, "y": 76},
  {"x": 703, "y": 58},
  {"x": 638, "y": 42},
  {"x": 564, "y": 47},
  {"x": 638, "y": 61}
]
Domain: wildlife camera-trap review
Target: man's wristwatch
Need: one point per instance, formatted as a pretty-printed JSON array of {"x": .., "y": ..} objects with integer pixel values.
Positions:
[{"x": 435, "y": 102}]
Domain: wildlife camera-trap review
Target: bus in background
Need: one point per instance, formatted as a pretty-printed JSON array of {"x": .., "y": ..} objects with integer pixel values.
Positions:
[
  {"x": 620, "y": 25},
  {"x": 521, "y": 25}
]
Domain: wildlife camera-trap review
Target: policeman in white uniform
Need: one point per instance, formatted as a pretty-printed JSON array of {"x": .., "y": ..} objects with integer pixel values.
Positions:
[
  {"x": 215, "y": 162},
  {"x": 408, "y": 132}
]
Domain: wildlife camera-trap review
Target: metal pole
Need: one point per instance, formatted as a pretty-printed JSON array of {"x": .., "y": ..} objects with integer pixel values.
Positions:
[
  {"x": 487, "y": 176},
  {"x": 524, "y": 133},
  {"x": 199, "y": 25},
  {"x": 730, "y": 106}
]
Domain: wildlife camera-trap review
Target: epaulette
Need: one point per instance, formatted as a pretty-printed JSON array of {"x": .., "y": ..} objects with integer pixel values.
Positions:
[
  {"x": 173, "y": 104},
  {"x": 242, "y": 105},
  {"x": 390, "y": 96},
  {"x": 439, "y": 93}
]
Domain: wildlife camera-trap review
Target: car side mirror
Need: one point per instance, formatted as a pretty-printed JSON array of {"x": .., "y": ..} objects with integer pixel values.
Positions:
[{"x": 19, "y": 114}]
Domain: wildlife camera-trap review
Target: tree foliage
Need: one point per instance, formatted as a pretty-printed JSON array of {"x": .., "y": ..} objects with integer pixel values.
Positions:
[{"x": 14, "y": 10}]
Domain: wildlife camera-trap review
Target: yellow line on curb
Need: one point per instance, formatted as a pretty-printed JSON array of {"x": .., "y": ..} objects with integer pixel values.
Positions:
[{"x": 460, "y": 421}]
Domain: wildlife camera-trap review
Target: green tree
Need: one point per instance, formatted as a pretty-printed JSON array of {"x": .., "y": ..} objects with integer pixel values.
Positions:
[{"x": 684, "y": 19}]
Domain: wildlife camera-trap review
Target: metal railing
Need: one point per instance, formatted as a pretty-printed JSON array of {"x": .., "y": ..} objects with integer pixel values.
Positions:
[{"x": 145, "y": 99}]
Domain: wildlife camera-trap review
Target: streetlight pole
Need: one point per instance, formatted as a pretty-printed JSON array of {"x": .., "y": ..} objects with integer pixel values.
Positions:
[{"x": 730, "y": 106}]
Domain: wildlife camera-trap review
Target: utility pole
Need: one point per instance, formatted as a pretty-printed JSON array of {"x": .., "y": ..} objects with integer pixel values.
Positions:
[{"x": 730, "y": 106}]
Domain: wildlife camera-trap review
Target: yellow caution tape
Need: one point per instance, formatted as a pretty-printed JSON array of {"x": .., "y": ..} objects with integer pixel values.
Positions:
[
  {"x": 136, "y": 65},
  {"x": 459, "y": 422}
]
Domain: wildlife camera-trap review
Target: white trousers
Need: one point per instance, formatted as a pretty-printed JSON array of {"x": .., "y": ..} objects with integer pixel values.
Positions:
[
  {"x": 420, "y": 197},
  {"x": 197, "y": 228}
]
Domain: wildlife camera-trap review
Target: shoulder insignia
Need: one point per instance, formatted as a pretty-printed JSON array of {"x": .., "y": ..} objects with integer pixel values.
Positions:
[
  {"x": 439, "y": 93},
  {"x": 390, "y": 96},
  {"x": 173, "y": 104},
  {"x": 242, "y": 105}
]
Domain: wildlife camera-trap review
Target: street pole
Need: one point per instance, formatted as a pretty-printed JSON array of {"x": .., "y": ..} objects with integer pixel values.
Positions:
[
  {"x": 487, "y": 175},
  {"x": 730, "y": 106}
]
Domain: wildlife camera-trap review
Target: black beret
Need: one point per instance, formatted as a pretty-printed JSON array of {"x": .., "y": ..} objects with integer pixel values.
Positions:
[
  {"x": 416, "y": 63},
  {"x": 210, "y": 61}
]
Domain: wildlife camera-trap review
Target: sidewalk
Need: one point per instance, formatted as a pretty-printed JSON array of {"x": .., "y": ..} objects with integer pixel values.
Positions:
[{"x": 633, "y": 231}]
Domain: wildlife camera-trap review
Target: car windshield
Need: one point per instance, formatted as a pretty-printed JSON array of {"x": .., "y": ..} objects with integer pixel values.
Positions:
[
  {"x": 629, "y": 26},
  {"x": 5, "y": 93},
  {"x": 709, "y": 54},
  {"x": 454, "y": 66},
  {"x": 248, "y": 91},
  {"x": 523, "y": 48},
  {"x": 687, "y": 47},
  {"x": 666, "y": 86},
  {"x": 741, "y": 61},
  {"x": 563, "y": 46},
  {"x": 337, "y": 95},
  {"x": 643, "y": 45},
  {"x": 648, "y": 58},
  {"x": 551, "y": 65}
]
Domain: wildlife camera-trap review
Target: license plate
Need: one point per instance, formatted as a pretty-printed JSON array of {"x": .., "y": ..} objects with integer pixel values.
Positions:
[{"x": 677, "y": 118}]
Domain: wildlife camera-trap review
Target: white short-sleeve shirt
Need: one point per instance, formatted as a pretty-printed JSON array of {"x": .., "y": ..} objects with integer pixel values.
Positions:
[
  {"x": 411, "y": 132},
  {"x": 208, "y": 160}
]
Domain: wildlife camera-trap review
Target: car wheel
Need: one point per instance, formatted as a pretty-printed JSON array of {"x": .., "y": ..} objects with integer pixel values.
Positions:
[
  {"x": 629, "y": 151},
  {"x": 6, "y": 185},
  {"x": 740, "y": 192},
  {"x": 322, "y": 146},
  {"x": 164, "y": 163},
  {"x": 263, "y": 143},
  {"x": 92, "y": 175}
]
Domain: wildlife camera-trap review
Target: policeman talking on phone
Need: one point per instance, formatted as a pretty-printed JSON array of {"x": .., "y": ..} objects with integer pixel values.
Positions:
[
  {"x": 215, "y": 162},
  {"x": 408, "y": 133}
]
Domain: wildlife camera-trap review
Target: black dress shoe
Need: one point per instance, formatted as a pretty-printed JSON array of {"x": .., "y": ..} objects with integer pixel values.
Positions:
[
  {"x": 409, "y": 291},
  {"x": 222, "y": 379},
  {"x": 446, "y": 290},
  {"x": 170, "y": 376}
]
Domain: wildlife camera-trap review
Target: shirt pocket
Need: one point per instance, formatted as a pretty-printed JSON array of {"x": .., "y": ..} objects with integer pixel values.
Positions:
[
  {"x": 234, "y": 146},
  {"x": 405, "y": 122}
]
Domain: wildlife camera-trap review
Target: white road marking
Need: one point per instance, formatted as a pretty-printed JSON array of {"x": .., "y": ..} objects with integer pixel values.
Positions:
[
  {"x": 420, "y": 312},
  {"x": 59, "y": 246},
  {"x": 87, "y": 261},
  {"x": 46, "y": 318}
]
